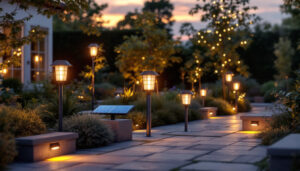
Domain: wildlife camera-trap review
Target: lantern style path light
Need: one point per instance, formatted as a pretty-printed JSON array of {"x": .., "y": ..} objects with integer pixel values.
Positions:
[
  {"x": 186, "y": 97},
  {"x": 93, "y": 52},
  {"x": 228, "y": 79},
  {"x": 236, "y": 87},
  {"x": 149, "y": 78},
  {"x": 61, "y": 72},
  {"x": 203, "y": 93}
]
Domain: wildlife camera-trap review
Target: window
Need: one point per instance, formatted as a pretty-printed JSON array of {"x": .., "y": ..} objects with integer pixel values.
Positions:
[
  {"x": 11, "y": 71},
  {"x": 38, "y": 59}
]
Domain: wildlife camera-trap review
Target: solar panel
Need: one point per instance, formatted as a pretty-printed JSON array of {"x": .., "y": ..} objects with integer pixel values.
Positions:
[{"x": 113, "y": 109}]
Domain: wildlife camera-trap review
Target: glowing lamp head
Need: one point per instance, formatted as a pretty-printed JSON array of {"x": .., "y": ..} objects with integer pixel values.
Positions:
[
  {"x": 228, "y": 77},
  {"x": 61, "y": 70},
  {"x": 236, "y": 86},
  {"x": 203, "y": 92},
  {"x": 186, "y": 97},
  {"x": 254, "y": 123},
  {"x": 36, "y": 58},
  {"x": 149, "y": 78},
  {"x": 93, "y": 49}
]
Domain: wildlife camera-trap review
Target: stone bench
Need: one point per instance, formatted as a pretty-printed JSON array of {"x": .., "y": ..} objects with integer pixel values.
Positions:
[
  {"x": 255, "y": 122},
  {"x": 283, "y": 153},
  {"x": 207, "y": 112},
  {"x": 40, "y": 147}
]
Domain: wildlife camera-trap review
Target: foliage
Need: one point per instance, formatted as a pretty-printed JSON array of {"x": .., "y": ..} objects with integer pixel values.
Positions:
[
  {"x": 138, "y": 119},
  {"x": 88, "y": 19},
  {"x": 7, "y": 149},
  {"x": 244, "y": 105},
  {"x": 104, "y": 90},
  {"x": 227, "y": 29},
  {"x": 224, "y": 108},
  {"x": 284, "y": 53},
  {"x": 152, "y": 50},
  {"x": 163, "y": 10},
  {"x": 72, "y": 104},
  {"x": 21, "y": 122},
  {"x": 11, "y": 40},
  {"x": 92, "y": 132},
  {"x": 268, "y": 90},
  {"x": 14, "y": 84},
  {"x": 289, "y": 120}
]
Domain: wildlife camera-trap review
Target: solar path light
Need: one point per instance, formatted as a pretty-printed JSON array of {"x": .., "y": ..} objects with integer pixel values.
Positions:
[
  {"x": 186, "y": 97},
  {"x": 93, "y": 53},
  {"x": 236, "y": 87},
  {"x": 61, "y": 72},
  {"x": 149, "y": 78},
  {"x": 203, "y": 93}
]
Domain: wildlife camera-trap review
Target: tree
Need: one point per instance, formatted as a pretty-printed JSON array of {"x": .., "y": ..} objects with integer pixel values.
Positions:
[
  {"x": 284, "y": 53},
  {"x": 163, "y": 10},
  {"x": 151, "y": 49},
  {"x": 227, "y": 29},
  {"x": 11, "y": 40},
  {"x": 89, "y": 20}
]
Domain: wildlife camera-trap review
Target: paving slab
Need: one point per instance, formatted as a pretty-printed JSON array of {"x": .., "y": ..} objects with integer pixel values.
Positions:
[
  {"x": 216, "y": 166},
  {"x": 149, "y": 166}
]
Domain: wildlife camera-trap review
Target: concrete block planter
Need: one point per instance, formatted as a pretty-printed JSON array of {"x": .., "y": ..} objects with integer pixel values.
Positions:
[
  {"x": 207, "y": 112},
  {"x": 40, "y": 147},
  {"x": 122, "y": 129},
  {"x": 283, "y": 154},
  {"x": 255, "y": 122}
]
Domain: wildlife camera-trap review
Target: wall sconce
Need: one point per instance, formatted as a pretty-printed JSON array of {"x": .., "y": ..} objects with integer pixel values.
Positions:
[{"x": 54, "y": 146}]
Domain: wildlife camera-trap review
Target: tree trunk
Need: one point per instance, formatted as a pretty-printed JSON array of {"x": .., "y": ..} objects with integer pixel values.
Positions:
[{"x": 200, "y": 86}]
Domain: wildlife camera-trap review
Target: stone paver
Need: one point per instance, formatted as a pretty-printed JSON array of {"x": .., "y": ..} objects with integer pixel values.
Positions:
[{"x": 214, "y": 144}]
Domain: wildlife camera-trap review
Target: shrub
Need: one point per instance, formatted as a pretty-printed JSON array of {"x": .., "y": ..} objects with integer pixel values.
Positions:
[
  {"x": 22, "y": 122},
  {"x": 91, "y": 130},
  {"x": 7, "y": 149},
  {"x": 104, "y": 90},
  {"x": 138, "y": 119},
  {"x": 224, "y": 108},
  {"x": 268, "y": 90},
  {"x": 14, "y": 84},
  {"x": 273, "y": 134},
  {"x": 244, "y": 105}
]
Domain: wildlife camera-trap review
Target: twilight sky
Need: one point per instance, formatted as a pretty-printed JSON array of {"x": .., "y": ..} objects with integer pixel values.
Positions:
[{"x": 268, "y": 10}]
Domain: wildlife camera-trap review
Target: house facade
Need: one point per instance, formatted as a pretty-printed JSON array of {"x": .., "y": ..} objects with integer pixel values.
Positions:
[{"x": 36, "y": 57}]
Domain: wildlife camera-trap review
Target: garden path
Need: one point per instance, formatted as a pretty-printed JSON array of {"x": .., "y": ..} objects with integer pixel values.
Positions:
[{"x": 214, "y": 144}]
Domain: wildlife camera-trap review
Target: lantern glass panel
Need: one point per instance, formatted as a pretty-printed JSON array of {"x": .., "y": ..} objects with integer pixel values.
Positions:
[
  {"x": 203, "y": 92},
  {"x": 236, "y": 86},
  {"x": 61, "y": 73},
  {"x": 93, "y": 51},
  {"x": 228, "y": 77},
  {"x": 149, "y": 82},
  {"x": 186, "y": 99}
]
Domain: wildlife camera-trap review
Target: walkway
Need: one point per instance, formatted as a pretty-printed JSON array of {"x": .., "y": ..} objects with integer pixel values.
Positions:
[{"x": 215, "y": 144}]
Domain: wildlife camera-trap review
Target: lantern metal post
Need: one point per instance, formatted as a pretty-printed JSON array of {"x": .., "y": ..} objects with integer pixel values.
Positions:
[
  {"x": 186, "y": 97},
  {"x": 203, "y": 93},
  {"x": 149, "y": 78},
  {"x": 228, "y": 79},
  {"x": 61, "y": 71},
  {"x": 236, "y": 87},
  {"x": 93, "y": 52},
  {"x": 60, "y": 107}
]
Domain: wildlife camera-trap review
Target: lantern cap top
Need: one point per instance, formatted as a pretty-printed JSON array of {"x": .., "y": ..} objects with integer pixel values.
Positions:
[
  {"x": 93, "y": 45},
  {"x": 186, "y": 92},
  {"x": 61, "y": 62},
  {"x": 149, "y": 73},
  {"x": 229, "y": 72}
]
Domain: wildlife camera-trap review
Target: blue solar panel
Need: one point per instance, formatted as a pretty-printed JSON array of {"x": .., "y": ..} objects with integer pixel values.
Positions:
[{"x": 113, "y": 109}]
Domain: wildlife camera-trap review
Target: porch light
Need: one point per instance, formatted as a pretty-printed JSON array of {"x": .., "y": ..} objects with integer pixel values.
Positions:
[{"x": 93, "y": 49}]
